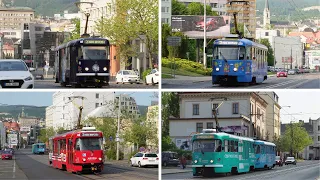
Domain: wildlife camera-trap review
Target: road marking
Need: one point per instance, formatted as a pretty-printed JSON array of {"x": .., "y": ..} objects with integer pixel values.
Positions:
[
  {"x": 296, "y": 85},
  {"x": 281, "y": 84},
  {"x": 14, "y": 168}
]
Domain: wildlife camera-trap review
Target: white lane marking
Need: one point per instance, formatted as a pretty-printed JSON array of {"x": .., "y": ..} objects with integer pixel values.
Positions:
[
  {"x": 14, "y": 168},
  {"x": 296, "y": 85}
]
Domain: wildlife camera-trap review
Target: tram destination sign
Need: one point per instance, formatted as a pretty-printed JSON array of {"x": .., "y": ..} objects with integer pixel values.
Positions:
[
  {"x": 205, "y": 137},
  {"x": 90, "y": 134},
  {"x": 94, "y": 42}
]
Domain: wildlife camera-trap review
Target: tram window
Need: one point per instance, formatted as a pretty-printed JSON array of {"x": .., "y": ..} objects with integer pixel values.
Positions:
[
  {"x": 235, "y": 146},
  {"x": 242, "y": 53},
  {"x": 248, "y": 53},
  {"x": 226, "y": 146},
  {"x": 78, "y": 144},
  {"x": 231, "y": 146},
  {"x": 258, "y": 149},
  {"x": 219, "y": 146}
]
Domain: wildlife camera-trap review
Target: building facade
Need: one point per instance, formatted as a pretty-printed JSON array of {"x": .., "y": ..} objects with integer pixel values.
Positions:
[
  {"x": 166, "y": 11},
  {"x": 313, "y": 59},
  {"x": 3, "y": 137},
  {"x": 233, "y": 115},
  {"x": 15, "y": 17}
]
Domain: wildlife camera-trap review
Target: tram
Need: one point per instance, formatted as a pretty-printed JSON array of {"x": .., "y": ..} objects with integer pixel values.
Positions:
[
  {"x": 38, "y": 148},
  {"x": 239, "y": 61},
  {"x": 265, "y": 154},
  {"x": 83, "y": 62},
  {"x": 78, "y": 151}
]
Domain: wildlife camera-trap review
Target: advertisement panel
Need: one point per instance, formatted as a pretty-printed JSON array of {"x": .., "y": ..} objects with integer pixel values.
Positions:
[
  {"x": 183, "y": 144},
  {"x": 193, "y": 26}
]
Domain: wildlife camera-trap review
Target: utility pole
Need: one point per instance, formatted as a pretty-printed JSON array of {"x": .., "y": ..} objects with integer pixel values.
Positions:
[
  {"x": 291, "y": 149},
  {"x": 205, "y": 35},
  {"x": 291, "y": 58},
  {"x": 274, "y": 52},
  {"x": 118, "y": 131}
]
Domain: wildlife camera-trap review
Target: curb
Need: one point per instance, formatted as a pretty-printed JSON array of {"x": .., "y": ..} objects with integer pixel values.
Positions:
[{"x": 163, "y": 173}]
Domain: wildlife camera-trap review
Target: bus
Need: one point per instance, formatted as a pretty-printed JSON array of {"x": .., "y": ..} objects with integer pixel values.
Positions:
[
  {"x": 239, "y": 61},
  {"x": 38, "y": 148},
  {"x": 78, "y": 151},
  {"x": 221, "y": 153},
  {"x": 83, "y": 62},
  {"x": 265, "y": 154}
]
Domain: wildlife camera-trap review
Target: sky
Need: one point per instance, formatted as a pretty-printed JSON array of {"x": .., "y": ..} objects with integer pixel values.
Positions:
[
  {"x": 45, "y": 98},
  {"x": 304, "y": 105}
]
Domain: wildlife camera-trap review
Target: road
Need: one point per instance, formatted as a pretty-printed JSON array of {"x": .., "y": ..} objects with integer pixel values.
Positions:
[
  {"x": 307, "y": 170},
  {"x": 26, "y": 166},
  {"x": 304, "y": 81}
]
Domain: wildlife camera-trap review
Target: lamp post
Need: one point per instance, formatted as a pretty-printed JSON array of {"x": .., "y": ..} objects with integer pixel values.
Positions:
[{"x": 205, "y": 34}]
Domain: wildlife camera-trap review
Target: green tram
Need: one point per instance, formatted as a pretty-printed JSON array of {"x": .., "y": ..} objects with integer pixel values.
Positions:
[{"x": 214, "y": 153}]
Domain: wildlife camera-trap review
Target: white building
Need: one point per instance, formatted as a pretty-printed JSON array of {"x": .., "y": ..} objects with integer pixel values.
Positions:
[
  {"x": 98, "y": 10},
  {"x": 70, "y": 16},
  {"x": 166, "y": 11},
  {"x": 233, "y": 115},
  {"x": 313, "y": 59},
  {"x": 66, "y": 110},
  {"x": 12, "y": 33},
  {"x": 49, "y": 116},
  {"x": 3, "y": 139},
  {"x": 267, "y": 34}
]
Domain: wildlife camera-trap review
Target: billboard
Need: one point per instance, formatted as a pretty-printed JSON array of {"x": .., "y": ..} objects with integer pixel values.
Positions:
[
  {"x": 183, "y": 144},
  {"x": 193, "y": 26},
  {"x": 286, "y": 60}
]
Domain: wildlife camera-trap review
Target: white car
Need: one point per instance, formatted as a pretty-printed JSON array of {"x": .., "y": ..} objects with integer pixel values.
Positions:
[
  {"x": 127, "y": 76},
  {"x": 153, "y": 77},
  {"x": 15, "y": 73},
  {"x": 144, "y": 159}
]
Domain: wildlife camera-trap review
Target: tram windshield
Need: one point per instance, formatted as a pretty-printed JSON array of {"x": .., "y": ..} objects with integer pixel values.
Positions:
[
  {"x": 95, "y": 52},
  {"x": 229, "y": 52},
  {"x": 89, "y": 144},
  {"x": 207, "y": 146}
]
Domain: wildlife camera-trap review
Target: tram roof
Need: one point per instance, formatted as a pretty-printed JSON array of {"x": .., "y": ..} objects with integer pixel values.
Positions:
[
  {"x": 244, "y": 41},
  {"x": 77, "y": 42},
  {"x": 264, "y": 142},
  {"x": 226, "y": 134},
  {"x": 74, "y": 132}
]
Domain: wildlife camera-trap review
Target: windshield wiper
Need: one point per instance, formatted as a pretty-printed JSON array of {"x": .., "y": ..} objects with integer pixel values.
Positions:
[{"x": 225, "y": 60}]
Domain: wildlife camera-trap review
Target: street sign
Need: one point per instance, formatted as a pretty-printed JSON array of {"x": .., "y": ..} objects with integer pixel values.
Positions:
[
  {"x": 110, "y": 138},
  {"x": 174, "y": 41}
]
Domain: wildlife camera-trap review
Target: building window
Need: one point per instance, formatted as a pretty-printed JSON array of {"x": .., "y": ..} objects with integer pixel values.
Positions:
[
  {"x": 318, "y": 138},
  {"x": 97, "y": 105},
  {"x": 318, "y": 128},
  {"x": 209, "y": 125},
  {"x": 199, "y": 127},
  {"x": 258, "y": 113},
  {"x": 235, "y": 108},
  {"x": 267, "y": 34},
  {"x": 97, "y": 96},
  {"x": 214, "y": 106},
  {"x": 195, "y": 109}
]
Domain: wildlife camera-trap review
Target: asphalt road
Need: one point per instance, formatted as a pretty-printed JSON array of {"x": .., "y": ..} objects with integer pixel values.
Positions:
[
  {"x": 304, "y": 81},
  {"x": 307, "y": 170},
  {"x": 27, "y": 166}
]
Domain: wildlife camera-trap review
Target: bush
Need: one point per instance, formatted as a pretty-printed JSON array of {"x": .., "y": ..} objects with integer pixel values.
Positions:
[
  {"x": 186, "y": 65},
  {"x": 145, "y": 73},
  {"x": 132, "y": 154},
  {"x": 112, "y": 154},
  {"x": 167, "y": 144}
]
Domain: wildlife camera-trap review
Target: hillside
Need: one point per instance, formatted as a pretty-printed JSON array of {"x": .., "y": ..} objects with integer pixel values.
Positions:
[
  {"x": 15, "y": 110},
  {"x": 46, "y": 7},
  {"x": 281, "y": 9}
]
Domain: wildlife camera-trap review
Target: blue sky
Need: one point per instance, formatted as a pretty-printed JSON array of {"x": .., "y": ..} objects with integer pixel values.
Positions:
[{"x": 45, "y": 98}]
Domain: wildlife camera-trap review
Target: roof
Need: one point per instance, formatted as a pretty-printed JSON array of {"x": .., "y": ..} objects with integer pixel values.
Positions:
[
  {"x": 264, "y": 142},
  {"x": 77, "y": 42},
  {"x": 16, "y": 9},
  {"x": 226, "y": 134},
  {"x": 14, "y": 60},
  {"x": 244, "y": 41}
]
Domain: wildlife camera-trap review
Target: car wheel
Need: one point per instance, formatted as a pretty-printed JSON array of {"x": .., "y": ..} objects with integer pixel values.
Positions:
[
  {"x": 122, "y": 81},
  {"x": 146, "y": 82},
  {"x": 117, "y": 81},
  {"x": 131, "y": 163},
  {"x": 139, "y": 164},
  {"x": 165, "y": 164},
  {"x": 152, "y": 82}
]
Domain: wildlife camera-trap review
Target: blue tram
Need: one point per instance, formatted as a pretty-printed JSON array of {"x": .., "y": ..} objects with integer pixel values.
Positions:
[
  {"x": 38, "y": 148},
  {"x": 265, "y": 154},
  {"x": 239, "y": 61}
]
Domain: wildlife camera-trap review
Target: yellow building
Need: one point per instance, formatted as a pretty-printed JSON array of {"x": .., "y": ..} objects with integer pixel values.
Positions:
[{"x": 15, "y": 17}]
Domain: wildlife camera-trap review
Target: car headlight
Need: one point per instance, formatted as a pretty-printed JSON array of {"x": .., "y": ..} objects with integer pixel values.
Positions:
[
  {"x": 28, "y": 78},
  {"x": 105, "y": 69},
  {"x": 217, "y": 69},
  {"x": 87, "y": 69},
  {"x": 235, "y": 69},
  {"x": 195, "y": 161}
]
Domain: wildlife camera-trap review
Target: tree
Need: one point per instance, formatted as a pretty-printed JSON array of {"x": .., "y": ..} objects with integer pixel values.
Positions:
[
  {"x": 170, "y": 107},
  {"x": 178, "y": 8},
  {"x": 75, "y": 34},
  {"x": 279, "y": 144},
  {"x": 167, "y": 144},
  {"x": 45, "y": 134},
  {"x": 134, "y": 19},
  {"x": 196, "y": 8},
  {"x": 270, "y": 51},
  {"x": 60, "y": 130},
  {"x": 297, "y": 136},
  {"x": 240, "y": 29}
]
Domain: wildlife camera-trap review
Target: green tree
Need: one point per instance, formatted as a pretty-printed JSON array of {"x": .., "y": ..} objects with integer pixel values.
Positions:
[
  {"x": 240, "y": 28},
  {"x": 297, "y": 137},
  {"x": 179, "y": 8},
  {"x": 135, "y": 19},
  {"x": 279, "y": 144},
  {"x": 60, "y": 130},
  {"x": 167, "y": 144},
  {"x": 75, "y": 34},
  {"x": 270, "y": 51},
  {"x": 170, "y": 107},
  {"x": 45, "y": 134},
  {"x": 196, "y": 8}
]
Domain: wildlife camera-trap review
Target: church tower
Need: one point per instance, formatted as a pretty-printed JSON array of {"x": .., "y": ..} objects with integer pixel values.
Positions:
[{"x": 266, "y": 15}]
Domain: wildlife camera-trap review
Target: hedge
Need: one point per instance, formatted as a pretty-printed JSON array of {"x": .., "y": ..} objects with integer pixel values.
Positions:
[{"x": 186, "y": 65}]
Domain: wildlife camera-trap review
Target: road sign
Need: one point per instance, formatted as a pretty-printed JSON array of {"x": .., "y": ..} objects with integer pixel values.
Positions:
[
  {"x": 174, "y": 41},
  {"x": 110, "y": 138}
]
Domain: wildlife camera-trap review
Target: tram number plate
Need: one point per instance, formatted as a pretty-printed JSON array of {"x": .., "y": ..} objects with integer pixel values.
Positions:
[{"x": 12, "y": 84}]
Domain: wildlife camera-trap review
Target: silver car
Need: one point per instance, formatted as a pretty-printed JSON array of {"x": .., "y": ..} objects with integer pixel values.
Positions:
[{"x": 291, "y": 72}]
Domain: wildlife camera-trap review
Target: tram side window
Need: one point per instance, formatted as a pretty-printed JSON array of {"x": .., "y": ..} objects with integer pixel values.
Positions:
[
  {"x": 226, "y": 146},
  {"x": 77, "y": 145},
  {"x": 219, "y": 146},
  {"x": 235, "y": 146},
  {"x": 242, "y": 53},
  {"x": 231, "y": 144},
  {"x": 257, "y": 149},
  {"x": 249, "y": 53}
]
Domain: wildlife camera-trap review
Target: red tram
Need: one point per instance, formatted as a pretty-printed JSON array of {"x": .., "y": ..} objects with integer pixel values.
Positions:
[{"x": 77, "y": 151}]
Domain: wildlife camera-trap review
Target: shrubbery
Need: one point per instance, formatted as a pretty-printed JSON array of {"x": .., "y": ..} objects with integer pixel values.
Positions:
[
  {"x": 168, "y": 145},
  {"x": 145, "y": 74},
  {"x": 112, "y": 154},
  {"x": 186, "y": 65}
]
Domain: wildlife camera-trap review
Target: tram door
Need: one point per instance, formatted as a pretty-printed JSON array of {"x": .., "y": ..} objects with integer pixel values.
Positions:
[
  {"x": 73, "y": 63},
  {"x": 70, "y": 152}
]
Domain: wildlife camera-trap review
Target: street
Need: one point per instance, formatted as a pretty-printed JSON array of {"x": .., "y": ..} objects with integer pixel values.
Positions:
[
  {"x": 26, "y": 166},
  {"x": 304, "y": 81},
  {"x": 306, "y": 170}
]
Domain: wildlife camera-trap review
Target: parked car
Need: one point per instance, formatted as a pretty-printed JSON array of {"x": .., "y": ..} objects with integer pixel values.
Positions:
[
  {"x": 282, "y": 74},
  {"x": 39, "y": 76},
  {"x": 14, "y": 73},
  {"x": 127, "y": 76},
  {"x": 144, "y": 159},
  {"x": 279, "y": 161},
  {"x": 291, "y": 72},
  {"x": 153, "y": 77},
  {"x": 290, "y": 160},
  {"x": 211, "y": 24},
  {"x": 170, "y": 158},
  {"x": 6, "y": 155}
]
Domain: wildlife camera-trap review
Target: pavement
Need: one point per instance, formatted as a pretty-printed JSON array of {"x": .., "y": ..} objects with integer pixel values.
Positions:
[
  {"x": 175, "y": 170},
  {"x": 305, "y": 170},
  {"x": 301, "y": 81}
]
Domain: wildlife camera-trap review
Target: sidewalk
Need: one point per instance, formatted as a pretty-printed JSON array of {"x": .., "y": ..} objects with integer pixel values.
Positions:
[
  {"x": 119, "y": 163},
  {"x": 175, "y": 170}
]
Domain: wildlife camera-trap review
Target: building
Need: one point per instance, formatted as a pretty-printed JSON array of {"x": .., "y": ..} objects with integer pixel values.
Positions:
[
  {"x": 266, "y": 16},
  {"x": 128, "y": 103},
  {"x": 233, "y": 115},
  {"x": 12, "y": 33},
  {"x": 3, "y": 137},
  {"x": 246, "y": 14},
  {"x": 66, "y": 105},
  {"x": 1, "y": 45},
  {"x": 313, "y": 59},
  {"x": 267, "y": 34},
  {"x": 71, "y": 16},
  {"x": 273, "y": 122},
  {"x": 166, "y": 11},
  {"x": 25, "y": 121},
  {"x": 49, "y": 116},
  {"x": 15, "y": 17},
  {"x": 153, "y": 123}
]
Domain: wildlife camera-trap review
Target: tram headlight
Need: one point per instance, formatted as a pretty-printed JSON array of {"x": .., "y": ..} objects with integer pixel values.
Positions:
[
  {"x": 211, "y": 161},
  {"x": 84, "y": 159},
  {"x": 235, "y": 69},
  {"x": 217, "y": 69},
  {"x": 105, "y": 69},
  {"x": 195, "y": 161},
  {"x": 87, "y": 69}
]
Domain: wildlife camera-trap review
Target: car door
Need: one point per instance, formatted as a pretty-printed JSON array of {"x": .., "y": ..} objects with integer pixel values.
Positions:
[{"x": 118, "y": 77}]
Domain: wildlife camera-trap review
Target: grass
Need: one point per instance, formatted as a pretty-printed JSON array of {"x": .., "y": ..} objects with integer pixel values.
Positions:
[
  {"x": 271, "y": 73},
  {"x": 181, "y": 72},
  {"x": 166, "y": 76}
]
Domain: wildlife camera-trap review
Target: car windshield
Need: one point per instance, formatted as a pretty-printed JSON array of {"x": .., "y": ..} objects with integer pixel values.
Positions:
[
  {"x": 206, "y": 146},
  {"x": 174, "y": 155},
  {"x": 12, "y": 66},
  {"x": 41, "y": 146},
  {"x": 129, "y": 73},
  {"x": 90, "y": 144},
  {"x": 228, "y": 53},
  {"x": 95, "y": 52},
  {"x": 150, "y": 155},
  {"x": 6, "y": 152},
  {"x": 290, "y": 158}
]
